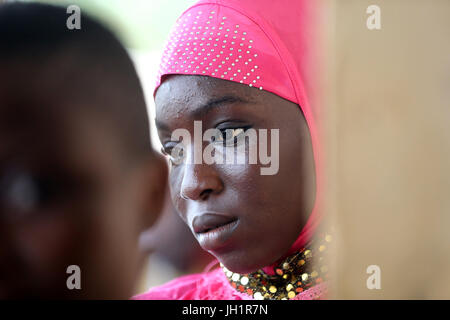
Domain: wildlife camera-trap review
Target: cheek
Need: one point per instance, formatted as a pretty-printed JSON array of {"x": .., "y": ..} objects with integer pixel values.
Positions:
[
  {"x": 267, "y": 198},
  {"x": 246, "y": 191},
  {"x": 46, "y": 246},
  {"x": 240, "y": 177},
  {"x": 175, "y": 181},
  {"x": 241, "y": 167},
  {"x": 291, "y": 158}
]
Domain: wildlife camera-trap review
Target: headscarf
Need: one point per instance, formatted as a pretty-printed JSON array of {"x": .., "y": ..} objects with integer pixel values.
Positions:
[{"x": 265, "y": 44}]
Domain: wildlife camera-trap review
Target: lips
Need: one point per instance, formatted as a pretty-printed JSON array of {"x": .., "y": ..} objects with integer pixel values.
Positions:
[
  {"x": 214, "y": 231},
  {"x": 207, "y": 222}
]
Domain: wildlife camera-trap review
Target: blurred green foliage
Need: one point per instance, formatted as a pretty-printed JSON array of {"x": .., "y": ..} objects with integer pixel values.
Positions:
[{"x": 140, "y": 24}]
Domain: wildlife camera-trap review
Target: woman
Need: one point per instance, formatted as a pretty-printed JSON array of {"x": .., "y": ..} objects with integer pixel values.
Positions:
[{"x": 236, "y": 66}]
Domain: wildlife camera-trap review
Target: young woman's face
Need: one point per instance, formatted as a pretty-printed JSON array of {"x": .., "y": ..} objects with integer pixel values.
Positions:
[{"x": 245, "y": 219}]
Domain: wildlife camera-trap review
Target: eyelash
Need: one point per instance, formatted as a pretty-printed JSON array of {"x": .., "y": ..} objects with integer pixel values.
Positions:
[
  {"x": 236, "y": 133},
  {"x": 168, "y": 151}
]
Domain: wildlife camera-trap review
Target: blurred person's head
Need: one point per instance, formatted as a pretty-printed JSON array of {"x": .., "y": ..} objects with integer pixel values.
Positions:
[{"x": 78, "y": 178}]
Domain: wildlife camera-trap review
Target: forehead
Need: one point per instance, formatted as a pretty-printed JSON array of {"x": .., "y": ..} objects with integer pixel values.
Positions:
[
  {"x": 35, "y": 133},
  {"x": 184, "y": 93},
  {"x": 45, "y": 123},
  {"x": 202, "y": 85},
  {"x": 30, "y": 122}
]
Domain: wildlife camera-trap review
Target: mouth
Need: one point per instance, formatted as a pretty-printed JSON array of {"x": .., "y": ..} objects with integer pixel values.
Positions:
[
  {"x": 213, "y": 230},
  {"x": 210, "y": 221}
]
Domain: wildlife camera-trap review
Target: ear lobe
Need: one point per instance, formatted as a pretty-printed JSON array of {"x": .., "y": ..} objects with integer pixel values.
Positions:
[{"x": 156, "y": 186}]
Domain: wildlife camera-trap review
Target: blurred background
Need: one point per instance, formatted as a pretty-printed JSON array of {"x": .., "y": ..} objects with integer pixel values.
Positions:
[
  {"x": 386, "y": 94},
  {"x": 142, "y": 26},
  {"x": 388, "y": 102}
]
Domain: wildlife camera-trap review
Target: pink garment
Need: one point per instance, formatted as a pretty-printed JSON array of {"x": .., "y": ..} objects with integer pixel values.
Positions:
[
  {"x": 265, "y": 44},
  {"x": 212, "y": 285}
]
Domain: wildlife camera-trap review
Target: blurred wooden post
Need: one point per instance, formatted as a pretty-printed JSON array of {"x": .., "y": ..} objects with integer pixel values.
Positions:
[{"x": 388, "y": 135}]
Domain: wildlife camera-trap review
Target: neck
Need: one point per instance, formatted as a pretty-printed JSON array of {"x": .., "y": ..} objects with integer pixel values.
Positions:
[{"x": 289, "y": 276}]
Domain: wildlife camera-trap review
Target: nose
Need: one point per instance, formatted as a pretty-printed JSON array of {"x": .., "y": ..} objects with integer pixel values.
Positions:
[{"x": 200, "y": 181}]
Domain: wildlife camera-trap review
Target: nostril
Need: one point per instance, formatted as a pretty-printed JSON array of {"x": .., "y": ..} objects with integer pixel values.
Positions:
[{"x": 205, "y": 194}]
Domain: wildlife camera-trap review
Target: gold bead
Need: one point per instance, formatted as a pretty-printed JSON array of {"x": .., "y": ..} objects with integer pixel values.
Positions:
[
  {"x": 291, "y": 294},
  {"x": 307, "y": 253},
  {"x": 266, "y": 296},
  {"x": 285, "y": 266},
  {"x": 272, "y": 289},
  {"x": 301, "y": 262},
  {"x": 285, "y": 276},
  {"x": 264, "y": 289},
  {"x": 304, "y": 276},
  {"x": 289, "y": 287}
]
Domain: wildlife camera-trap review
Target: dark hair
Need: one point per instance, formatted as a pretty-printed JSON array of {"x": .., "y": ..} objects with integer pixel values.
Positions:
[{"x": 87, "y": 68}]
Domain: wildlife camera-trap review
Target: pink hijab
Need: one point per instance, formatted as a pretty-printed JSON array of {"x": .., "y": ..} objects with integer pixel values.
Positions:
[{"x": 265, "y": 44}]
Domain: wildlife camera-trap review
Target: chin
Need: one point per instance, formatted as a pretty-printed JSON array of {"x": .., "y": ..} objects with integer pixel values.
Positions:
[{"x": 238, "y": 263}]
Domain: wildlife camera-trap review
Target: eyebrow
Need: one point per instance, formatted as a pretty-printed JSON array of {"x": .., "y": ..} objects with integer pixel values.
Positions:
[
  {"x": 207, "y": 107},
  {"x": 215, "y": 103}
]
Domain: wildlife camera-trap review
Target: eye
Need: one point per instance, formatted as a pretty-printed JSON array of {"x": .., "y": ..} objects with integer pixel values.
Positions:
[
  {"x": 175, "y": 153},
  {"x": 230, "y": 136},
  {"x": 19, "y": 191},
  {"x": 25, "y": 193}
]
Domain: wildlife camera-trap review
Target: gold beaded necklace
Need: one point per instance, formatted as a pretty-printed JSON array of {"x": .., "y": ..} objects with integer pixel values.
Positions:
[{"x": 293, "y": 275}]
